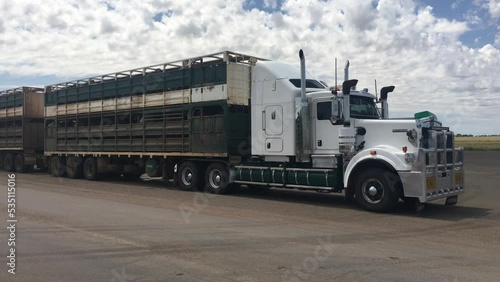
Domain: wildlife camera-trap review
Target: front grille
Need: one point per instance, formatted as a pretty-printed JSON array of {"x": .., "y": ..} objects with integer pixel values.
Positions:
[
  {"x": 440, "y": 152},
  {"x": 444, "y": 164}
]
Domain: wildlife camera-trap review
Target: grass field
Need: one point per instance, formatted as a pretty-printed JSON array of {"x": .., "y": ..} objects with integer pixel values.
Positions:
[{"x": 487, "y": 143}]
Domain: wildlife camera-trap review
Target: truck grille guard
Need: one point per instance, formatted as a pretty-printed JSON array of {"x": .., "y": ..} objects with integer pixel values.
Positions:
[{"x": 444, "y": 164}]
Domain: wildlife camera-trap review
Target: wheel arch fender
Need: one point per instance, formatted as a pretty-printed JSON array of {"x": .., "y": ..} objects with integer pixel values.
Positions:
[{"x": 383, "y": 158}]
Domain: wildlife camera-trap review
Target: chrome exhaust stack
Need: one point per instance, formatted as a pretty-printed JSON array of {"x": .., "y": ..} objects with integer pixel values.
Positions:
[
  {"x": 346, "y": 71},
  {"x": 346, "y": 105},
  {"x": 383, "y": 100},
  {"x": 303, "y": 126},
  {"x": 302, "y": 76}
]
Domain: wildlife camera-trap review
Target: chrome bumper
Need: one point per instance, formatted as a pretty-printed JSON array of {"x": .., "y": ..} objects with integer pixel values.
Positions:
[{"x": 415, "y": 185}]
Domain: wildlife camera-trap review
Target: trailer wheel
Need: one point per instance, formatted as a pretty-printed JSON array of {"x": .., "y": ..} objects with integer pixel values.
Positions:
[
  {"x": 19, "y": 163},
  {"x": 74, "y": 167},
  {"x": 189, "y": 176},
  {"x": 90, "y": 169},
  {"x": 57, "y": 166},
  {"x": 8, "y": 162},
  {"x": 217, "y": 179},
  {"x": 377, "y": 190}
]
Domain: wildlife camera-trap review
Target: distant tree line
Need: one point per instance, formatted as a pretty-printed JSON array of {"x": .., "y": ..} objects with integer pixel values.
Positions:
[{"x": 471, "y": 135}]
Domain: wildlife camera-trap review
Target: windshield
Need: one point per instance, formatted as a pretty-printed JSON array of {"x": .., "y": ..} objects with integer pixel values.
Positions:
[{"x": 363, "y": 108}]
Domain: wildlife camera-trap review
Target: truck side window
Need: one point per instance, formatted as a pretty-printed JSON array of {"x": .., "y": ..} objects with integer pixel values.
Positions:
[
  {"x": 310, "y": 83},
  {"x": 323, "y": 110}
]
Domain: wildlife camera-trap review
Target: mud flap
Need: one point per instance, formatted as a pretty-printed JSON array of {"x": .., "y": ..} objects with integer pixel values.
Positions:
[
  {"x": 451, "y": 201},
  {"x": 349, "y": 195},
  {"x": 418, "y": 206}
]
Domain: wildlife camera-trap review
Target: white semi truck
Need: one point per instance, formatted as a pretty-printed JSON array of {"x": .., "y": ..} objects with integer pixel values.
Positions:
[
  {"x": 307, "y": 136},
  {"x": 227, "y": 119}
]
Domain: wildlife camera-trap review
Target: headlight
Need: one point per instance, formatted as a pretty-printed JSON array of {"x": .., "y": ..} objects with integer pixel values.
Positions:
[
  {"x": 412, "y": 136},
  {"x": 409, "y": 158}
]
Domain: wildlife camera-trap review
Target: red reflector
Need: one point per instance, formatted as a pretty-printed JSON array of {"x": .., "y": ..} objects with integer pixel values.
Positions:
[
  {"x": 373, "y": 153},
  {"x": 405, "y": 149}
]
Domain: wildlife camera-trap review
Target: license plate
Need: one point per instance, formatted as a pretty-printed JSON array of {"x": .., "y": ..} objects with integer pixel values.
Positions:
[
  {"x": 431, "y": 182},
  {"x": 459, "y": 178}
]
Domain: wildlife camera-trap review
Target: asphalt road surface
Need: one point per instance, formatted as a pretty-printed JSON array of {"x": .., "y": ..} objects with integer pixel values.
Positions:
[{"x": 76, "y": 230}]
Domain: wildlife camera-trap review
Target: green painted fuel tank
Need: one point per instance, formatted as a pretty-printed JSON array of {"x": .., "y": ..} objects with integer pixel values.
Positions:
[{"x": 313, "y": 178}]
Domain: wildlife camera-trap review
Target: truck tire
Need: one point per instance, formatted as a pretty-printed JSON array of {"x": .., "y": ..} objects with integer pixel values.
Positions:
[
  {"x": 8, "y": 162},
  {"x": 217, "y": 179},
  {"x": 19, "y": 163},
  {"x": 376, "y": 189},
  {"x": 90, "y": 170},
  {"x": 57, "y": 166},
  {"x": 74, "y": 167},
  {"x": 189, "y": 176}
]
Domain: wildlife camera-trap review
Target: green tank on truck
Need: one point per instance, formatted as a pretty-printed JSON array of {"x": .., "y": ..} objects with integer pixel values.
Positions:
[{"x": 21, "y": 128}]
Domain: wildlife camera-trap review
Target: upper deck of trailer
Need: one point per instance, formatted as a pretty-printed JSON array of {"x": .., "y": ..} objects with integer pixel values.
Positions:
[{"x": 195, "y": 72}]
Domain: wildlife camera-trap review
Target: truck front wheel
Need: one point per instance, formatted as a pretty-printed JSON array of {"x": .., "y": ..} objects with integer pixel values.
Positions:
[
  {"x": 377, "y": 189},
  {"x": 217, "y": 179},
  {"x": 189, "y": 176},
  {"x": 8, "y": 162},
  {"x": 57, "y": 166}
]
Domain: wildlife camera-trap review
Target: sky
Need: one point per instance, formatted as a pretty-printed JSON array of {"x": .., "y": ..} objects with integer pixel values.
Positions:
[{"x": 442, "y": 56}]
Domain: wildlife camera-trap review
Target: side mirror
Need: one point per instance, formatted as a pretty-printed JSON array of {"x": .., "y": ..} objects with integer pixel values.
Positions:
[{"x": 336, "y": 119}]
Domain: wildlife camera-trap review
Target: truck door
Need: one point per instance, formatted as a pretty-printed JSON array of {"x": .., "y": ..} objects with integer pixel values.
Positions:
[
  {"x": 273, "y": 122},
  {"x": 326, "y": 134}
]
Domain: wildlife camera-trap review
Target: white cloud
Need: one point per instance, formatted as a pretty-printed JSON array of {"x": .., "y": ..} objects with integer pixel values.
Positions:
[
  {"x": 494, "y": 8},
  {"x": 107, "y": 26},
  {"x": 456, "y": 4},
  {"x": 397, "y": 42}
]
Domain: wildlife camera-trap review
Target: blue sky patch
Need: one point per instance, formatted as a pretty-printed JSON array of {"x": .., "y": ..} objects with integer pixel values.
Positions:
[
  {"x": 108, "y": 6},
  {"x": 482, "y": 26},
  {"x": 269, "y": 6},
  {"x": 159, "y": 16},
  {"x": 8, "y": 81}
]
